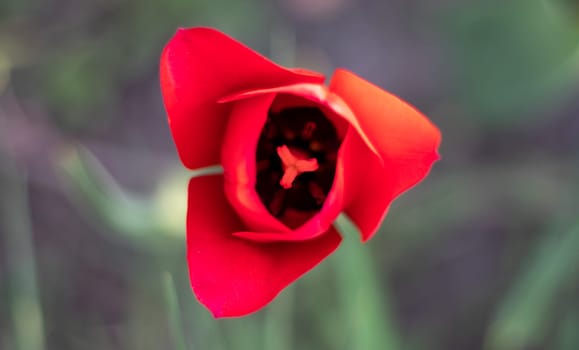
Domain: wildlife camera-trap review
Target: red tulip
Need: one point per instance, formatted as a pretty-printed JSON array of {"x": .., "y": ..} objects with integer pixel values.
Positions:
[{"x": 295, "y": 153}]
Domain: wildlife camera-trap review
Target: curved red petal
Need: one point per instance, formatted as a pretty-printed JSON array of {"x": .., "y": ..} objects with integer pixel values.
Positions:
[
  {"x": 405, "y": 139},
  {"x": 316, "y": 93},
  {"x": 201, "y": 65},
  {"x": 231, "y": 276},
  {"x": 370, "y": 185},
  {"x": 239, "y": 165}
]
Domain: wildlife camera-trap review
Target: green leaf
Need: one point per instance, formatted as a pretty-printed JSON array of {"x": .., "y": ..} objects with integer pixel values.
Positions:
[{"x": 522, "y": 319}]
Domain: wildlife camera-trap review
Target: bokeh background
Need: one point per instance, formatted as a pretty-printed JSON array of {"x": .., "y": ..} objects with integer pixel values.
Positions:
[{"x": 484, "y": 254}]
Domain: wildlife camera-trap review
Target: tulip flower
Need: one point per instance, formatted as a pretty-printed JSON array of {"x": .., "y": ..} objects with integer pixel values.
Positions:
[{"x": 295, "y": 154}]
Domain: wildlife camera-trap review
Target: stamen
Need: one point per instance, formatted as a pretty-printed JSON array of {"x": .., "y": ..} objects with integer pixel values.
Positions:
[
  {"x": 308, "y": 130},
  {"x": 317, "y": 192},
  {"x": 276, "y": 204},
  {"x": 316, "y": 146},
  {"x": 293, "y": 166}
]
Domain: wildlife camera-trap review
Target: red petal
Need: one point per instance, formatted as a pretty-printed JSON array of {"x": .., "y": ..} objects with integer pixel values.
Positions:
[
  {"x": 239, "y": 166},
  {"x": 405, "y": 139},
  {"x": 201, "y": 65},
  {"x": 331, "y": 103},
  {"x": 231, "y": 276}
]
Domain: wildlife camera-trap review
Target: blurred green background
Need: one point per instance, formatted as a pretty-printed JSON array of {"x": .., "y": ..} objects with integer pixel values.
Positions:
[{"x": 484, "y": 254}]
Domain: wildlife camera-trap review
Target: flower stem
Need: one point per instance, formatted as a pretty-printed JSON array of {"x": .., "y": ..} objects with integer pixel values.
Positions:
[
  {"x": 367, "y": 306},
  {"x": 25, "y": 304},
  {"x": 173, "y": 313},
  {"x": 278, "y": 323}
]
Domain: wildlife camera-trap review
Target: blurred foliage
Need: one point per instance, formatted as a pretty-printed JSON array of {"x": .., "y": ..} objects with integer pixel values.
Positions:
[
  {"x": 513, "y": 56},
  {"x": 483, "y": 255},
  {"x": 85, "y": 55},
  {"x": 25, "y": 309},
  {"x": 542, "y": 288}
]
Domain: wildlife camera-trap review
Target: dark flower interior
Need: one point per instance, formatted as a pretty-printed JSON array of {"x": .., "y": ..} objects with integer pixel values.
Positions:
[{"x": 308, "y": 134}]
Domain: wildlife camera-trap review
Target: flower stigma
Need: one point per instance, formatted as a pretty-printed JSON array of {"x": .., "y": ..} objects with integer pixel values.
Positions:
[{"x": 293, "y": 166}]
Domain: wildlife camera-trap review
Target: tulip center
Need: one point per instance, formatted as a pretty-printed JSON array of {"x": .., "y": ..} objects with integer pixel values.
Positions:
[{"x": 296, "y": 163}]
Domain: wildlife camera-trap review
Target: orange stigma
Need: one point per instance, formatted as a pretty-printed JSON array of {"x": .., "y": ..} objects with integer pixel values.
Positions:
[{"x": 293, "y": 166}]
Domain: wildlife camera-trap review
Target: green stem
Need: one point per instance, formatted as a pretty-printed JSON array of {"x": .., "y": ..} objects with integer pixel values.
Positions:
[
  {"x": 25, "y": 305},
  {"x": 173, "y": 312},
  {"x": 278, "y": 323},
  {"x": 367, "y": 306}
]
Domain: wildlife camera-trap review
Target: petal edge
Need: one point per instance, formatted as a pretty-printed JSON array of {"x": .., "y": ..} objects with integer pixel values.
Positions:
[
  {"x": 197, "y": 69},
  {"x": 406, "y": 140},
  {"x": 234, "y": 277}
]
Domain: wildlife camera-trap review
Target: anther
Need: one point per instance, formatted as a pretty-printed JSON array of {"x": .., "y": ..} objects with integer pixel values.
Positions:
[
  {"x": 308, "y": 130},
  {"x": 293, "y": 166},
  {"x": 276, "y": 204},
  {"x": 316, "y": 146},
  {"x": 317, "y": 193}
]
